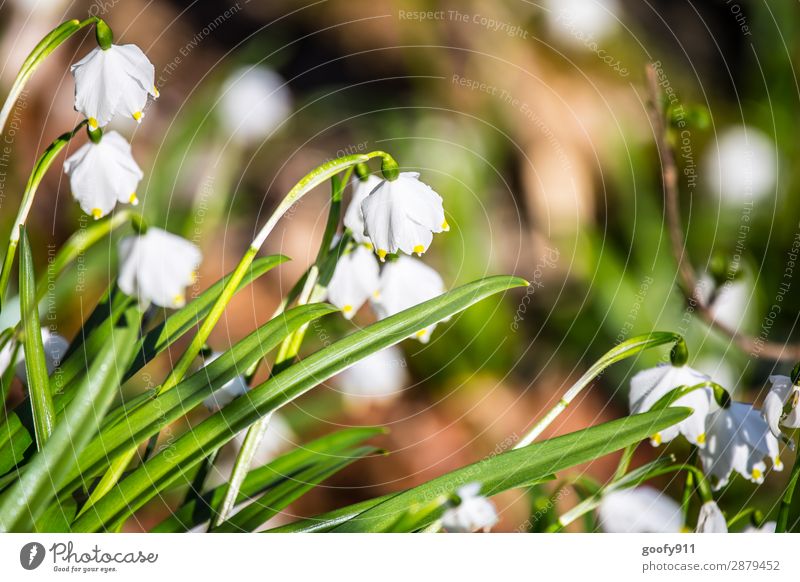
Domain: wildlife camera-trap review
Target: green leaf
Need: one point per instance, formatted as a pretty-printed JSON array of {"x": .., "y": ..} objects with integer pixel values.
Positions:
[
  {"x": 149, "y": 417},
  {"x": 161, "y": 470},
  {"x": 44, "y": 415},
  {"x": 257, "y": 480},
  {"x": 28, "y": 498},
  {"x": 520, "y": 466}
]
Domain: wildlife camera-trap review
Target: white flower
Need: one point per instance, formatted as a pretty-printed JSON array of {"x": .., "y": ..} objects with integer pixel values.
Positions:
[
  {"x": 113, "y": 81},
  {"x": 473, "y": 513},
  {"x": 402, "y": 215},
  {"x": 253, "y": 102},
  {"x": 782, "y": 392},
  {"x": 157, "y": 267},
  {"x": 356, "y": 279},
  {"x": 55, "y": 347},
  {"x": 766, "y": 527},
  {"x": 647, "y": 388},
  {"x": 741, "y": 166},
  {"x": 710, "y": 519},
  {"x": 405, "y": 283},
  {"x": 378, "y": 376},
  {"x": 582, "y": 22},
  {"x": 731, "y": 306},
  {"x": 639, "y": 510},
  {"x": 738, "y": 439},
  {"x": 228, "y": 392},
  {"x": 353, "y": 217},
  {"x": 102, "y": 174}
]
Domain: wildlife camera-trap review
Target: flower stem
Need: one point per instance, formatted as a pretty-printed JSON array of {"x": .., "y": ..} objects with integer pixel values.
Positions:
[{"x": 786, "y": 501}]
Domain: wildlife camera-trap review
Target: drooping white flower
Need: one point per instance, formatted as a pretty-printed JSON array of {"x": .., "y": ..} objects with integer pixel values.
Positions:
[
  {"x": 782, "y": 392},
  {"x": 222, "y": 397},
  {"x": 710, "y": 519},
  {"x": 639, "y": 510},
  {"x": 114, "y": 81},
  {"x": 55, "y": 347},
  {"x": 356, "y": 279},
  {"x": 732, "y": 305},
  {"x": 379, "y": 376},
  {"x": 738, "y": 439},
  {"x": 405, "y": 283},
  {"x": 102, "y": 174},
  {"x": 157, "y": 267},
  {"x": 353, "y": 216},
  {"x": 582, "y": 22},
  {"x": 475, "y": 512},
  {"x": 647, "y": 388},
  {"x": 253, "y": 102},
  {"x": 766, "y": 527},
  {"x": 741, "y": 166},
  {"x": 402, "y": 215}
]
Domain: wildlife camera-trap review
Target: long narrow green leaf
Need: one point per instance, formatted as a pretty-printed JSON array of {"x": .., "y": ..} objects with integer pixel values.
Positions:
[
  {"x": 157, "y": 473},
  {"x": 330, "y": 519},
  {"x": 520, "y": 466},
  {"x": 151, "y": 417},
  {"x": 44, "y": 415},
  {"x": 29, "y": 497}
]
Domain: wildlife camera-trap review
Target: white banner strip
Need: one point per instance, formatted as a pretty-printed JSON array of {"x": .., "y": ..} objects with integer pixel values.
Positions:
[{"x": 355, "y": 557}]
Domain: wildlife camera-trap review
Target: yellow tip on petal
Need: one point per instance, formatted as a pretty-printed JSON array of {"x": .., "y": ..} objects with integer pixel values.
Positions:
[
  {"x": 421, "y": 332},
  {"x": 686, "y": 529},
  {"x": 419, "y": 249},
  {"x": 382, "y": 254},
  {"x": 93, "y": 123},
  {"x": 194, "y": 277},
  {"x": 133, "y": 199},
  {"x": 97, "y": 213},
  {"x": 656, "y": 439},
  {"x": 369, "y": 246},
  {"x": 347, "y": 308},
  {"x": 757, "y": 474},
  {"x": 777, "y": 463},
  {"x": 376, "y": 294},
  {"x": 138, "y": 116},
  {"x": 179, "y": 300},
  {"x": 445, "y": 226},
  {"x": 701, "y": 438},
  {"x": 156, "y": 92}
]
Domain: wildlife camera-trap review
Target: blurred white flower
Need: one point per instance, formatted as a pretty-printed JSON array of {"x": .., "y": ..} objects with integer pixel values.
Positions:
[
  {"x": 157, "y": 266},
  {"x": 253, "y": 102},
  {"x": 55, "y": 347},
  {"x": 228, "y": 392},
  {"x": 405, "y": 283},
  {"x": 379, "y": 376},
  {"x": 639, "y": 510},
  {"x": 113, "y": 81},
  {"x": 356, "y": 279},
  {"x": 277, "y": 438},
  {"x": 102, "y": 174},
  {"x": 710, "y": 519},
  {"x": 732, "y": 303},
  {"x": 738, "y": 439},
  {"x": 475, "y": 512},
  {"x": 766, "y": 527},
  {"x": 353, "y": 217},
  {"x": 402, "y": 215},
  {"x": 581, "y": 22},
  {"x": 741, "y": 166},
  {"x": 781, "y": 393},
  {"x": 647, "y": 388}
]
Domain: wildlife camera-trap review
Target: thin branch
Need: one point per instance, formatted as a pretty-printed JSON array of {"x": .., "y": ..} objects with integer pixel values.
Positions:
[{"x": 688, "y": 280}]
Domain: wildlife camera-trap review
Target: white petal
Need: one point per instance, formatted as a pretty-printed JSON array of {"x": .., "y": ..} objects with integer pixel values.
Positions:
[
  {"x": 475, "y": 512},
  {"x": 355, "y": 280},
  {"x": 639, "y": 510},
  {"x": 378, "y": 376},
  {"x": 353, "y": 217},
  {"x": 711, "y": 519}
]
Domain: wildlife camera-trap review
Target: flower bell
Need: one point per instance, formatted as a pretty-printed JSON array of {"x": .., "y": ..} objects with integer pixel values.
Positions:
[
  {"x": 783, "y": 392},
  {"x": 405, "y": 283},
  {"x": 112, "y": 79},
  {"x": 738, "y": 440},
  {"x": 102, "y": 173},
  {"x": 253, "y": 102},
  {"x": 474, "y": 512},
  {"x": 710, "y": 519},
  {"x": 639, "y": 510},
  {"x": 55, "y": 347},
  {"x": 353, "y": 216},
  {"x": 355, "y": 280},
  {"x": 378, "y": 377},
  {"x": 157, "y": 266},
  {"x": 649, "y": 386},
  {"x": 402, "y": 215}
]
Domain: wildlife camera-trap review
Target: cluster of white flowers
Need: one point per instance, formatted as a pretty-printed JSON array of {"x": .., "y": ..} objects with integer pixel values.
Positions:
[
  {"x": 734, "y": 437},
  {"x": 474, "y": 512},
  {"x": 116, "y": 80}
]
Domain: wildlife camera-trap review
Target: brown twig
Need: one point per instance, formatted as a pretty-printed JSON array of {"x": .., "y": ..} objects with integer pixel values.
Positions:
[{"x": 686, "y": 272}]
